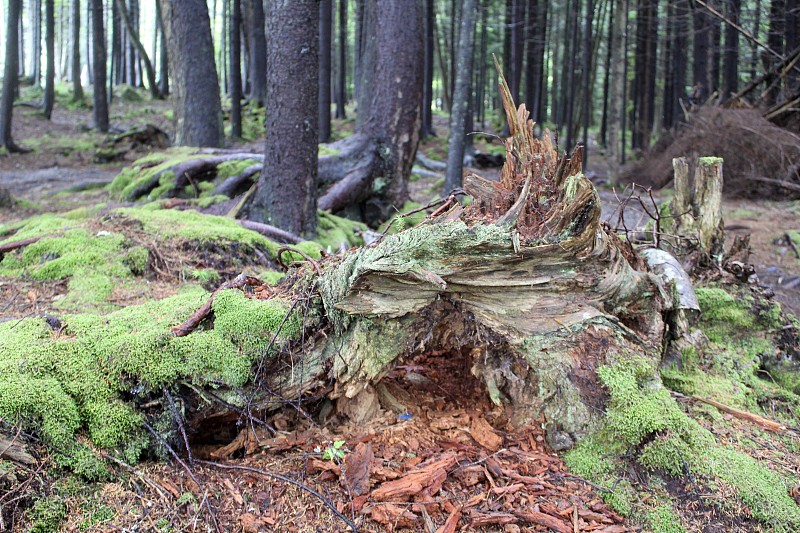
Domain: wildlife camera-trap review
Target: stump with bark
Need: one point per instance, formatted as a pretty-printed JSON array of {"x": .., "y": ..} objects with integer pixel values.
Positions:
[{"x": 523, "y": 284}]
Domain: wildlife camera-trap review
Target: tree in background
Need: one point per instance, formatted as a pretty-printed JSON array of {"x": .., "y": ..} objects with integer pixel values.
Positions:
[
  {"x": 461, "y": 97},
  {"x": 286, "y": 194},
  {"x": 372, "y": 169},
  {"x": 198, "y": 112},
  {"x": 77, "y": 89},
  {"x": 258, "y": 52},
  {"x": 235, "y": 81},
  {"x": 324, "y": 102},
  {"x": 99, "y": 67},
  {"x": 50, "y": 51},
  {"x": 10, "y": 78}
]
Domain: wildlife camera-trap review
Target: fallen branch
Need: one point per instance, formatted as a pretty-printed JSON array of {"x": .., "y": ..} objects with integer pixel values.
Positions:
[
  {"x": 271, "y": 232},
  {"x": 193, "y": 321},
  {"x": 760, "y": 421},
  {"x": 11, "y": 246}
]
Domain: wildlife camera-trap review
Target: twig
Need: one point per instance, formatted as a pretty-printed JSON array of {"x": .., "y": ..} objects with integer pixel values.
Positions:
[
  {"x": 179, "y": 421},
  {"x": 193, "y": 321},
  {"x": 307, "y": 257},
  {"x": 188, "y": 471},
  {"x": 291, "y": 482},
  {"x": 271, "y": 232}
]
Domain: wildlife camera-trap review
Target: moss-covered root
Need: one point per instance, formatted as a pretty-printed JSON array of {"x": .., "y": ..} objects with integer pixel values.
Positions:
[{"x": 643, "y": 419}]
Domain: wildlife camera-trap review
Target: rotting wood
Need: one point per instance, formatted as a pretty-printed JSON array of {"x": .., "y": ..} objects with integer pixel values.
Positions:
[
  {"x": 760, "y": 421},
  {"x": 11, "y": 246}
]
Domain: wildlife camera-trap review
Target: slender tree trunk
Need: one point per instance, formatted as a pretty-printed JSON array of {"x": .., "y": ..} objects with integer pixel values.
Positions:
[
  {"x": 517, "y": 47},
  {"x": 587, "y": 79},
  {"x": 99, "y": 54},
  {"x": 133, "y": 36},
  {"x": 461, "y": 97},
  {"x": 235, "y": 78},
  {"x": 50, "y": 50},
  {"x": 163, "y": 75},
  {"x": 731, "y": 56},
  {"x": 792, "y": 40},
  {"x": 715, "y": 50},
  {"x": 341, "y": 73},
  {"x": 10, "y": 74},
  {"x": 77, "y": 88},
  {"x": 480, "y": 84},
  {"x": 258, "y": 55},
  {"x": 756, "y": 33},
  {"x": 36, "y": 44},
  {"x": 198, "y": 113},
  {"x": 617, "y": 84},
  {"x": 427, "y": 95},
  {"x": 324, "y": 83},
  {"x": 775, "y": 41},
  {"x": 570, "y": 85},
  {"x": 286, "y": 194},
  {"x": 700, "y": 53},
  {"x": 607, "y": 76}
]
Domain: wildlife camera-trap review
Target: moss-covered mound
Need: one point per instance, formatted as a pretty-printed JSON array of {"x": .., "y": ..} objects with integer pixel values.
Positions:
[
  {"x": 87, "y": 373},
  {"x": 646, "y": 430}
]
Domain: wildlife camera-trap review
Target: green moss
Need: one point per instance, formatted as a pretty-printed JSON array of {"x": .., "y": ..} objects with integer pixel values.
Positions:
[
  {"x": 234, "y": 167},
  {"x": 144, "y": 169},
  {"x": 324, "y": 150},
  {"x": 333, "y": 231},
  {"x": 47, "y": 515},
  {"x": 137, "y": 259},
  {"x": 708, "y": 161},
  {"x": 664, "y": 519},
  {"x": 204, "y": 275},
  {"x": 726, "y": 316},
  {"x": 643, "y": 418}
]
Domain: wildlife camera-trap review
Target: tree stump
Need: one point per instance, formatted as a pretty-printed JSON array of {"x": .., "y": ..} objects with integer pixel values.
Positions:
[{"x": 697, "y": 206}]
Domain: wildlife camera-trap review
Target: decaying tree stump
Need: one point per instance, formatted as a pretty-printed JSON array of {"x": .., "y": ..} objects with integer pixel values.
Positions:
[
  {"x": 524, "y": 284},
  {"x": 697, "y": 205}
]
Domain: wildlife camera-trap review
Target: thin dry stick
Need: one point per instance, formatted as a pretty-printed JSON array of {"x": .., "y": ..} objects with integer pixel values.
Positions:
[
  {"x": 291, "y": 481},
  {"x": 188, "y": 471},
  {"x": 179, "y": 421}
]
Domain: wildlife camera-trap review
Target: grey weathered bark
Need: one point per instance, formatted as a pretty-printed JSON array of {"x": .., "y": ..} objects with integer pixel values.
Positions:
[
  {"x": 286, "y": 194},
  {"x": 235, "y": 78},
  {"x": 258, "y": 54},
  {"x": 50, "y": 51},
  {"x": 77, "y": 88},
  {"x": 197, "y": 108},
  {"x": 461, "y": 96},
  {"x": 696, "y": 207},
  {"x": 99, "y": 67},
  {"x": 324, "y": 101},
  {"x": 387, "y": 125},
  {"x": 10, "y": 77},
  {"x": 133, "y": 37},
  {"x": 617, "y": 83}
]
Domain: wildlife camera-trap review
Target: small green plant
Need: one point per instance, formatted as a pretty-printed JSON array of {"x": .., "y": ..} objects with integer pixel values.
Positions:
[{"x": 335, "y": 452}]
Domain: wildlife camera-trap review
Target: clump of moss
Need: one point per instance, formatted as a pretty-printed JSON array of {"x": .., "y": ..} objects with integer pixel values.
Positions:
[
  {"x": 144, "y": 169},
  {"x": 47, "y": 515},
  {"x": 726, "y": 316},
  {"x": 664, "y": 519},
  {"x": 84, "y": 377},
  {"x": 642, "y": 417},
  {"x": 333, "y": 231}
]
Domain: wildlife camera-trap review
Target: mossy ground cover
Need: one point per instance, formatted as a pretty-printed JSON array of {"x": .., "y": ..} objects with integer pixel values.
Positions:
[{"x": 647, "y": 431}]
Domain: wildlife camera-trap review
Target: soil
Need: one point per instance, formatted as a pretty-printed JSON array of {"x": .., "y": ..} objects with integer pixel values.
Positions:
[{"x": 447, "y": 459}]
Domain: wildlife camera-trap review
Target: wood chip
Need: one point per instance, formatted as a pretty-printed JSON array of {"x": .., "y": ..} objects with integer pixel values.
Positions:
[
  {"x": 415, "y": 481},
  {"x": 546, "y": 520},
  {"x": 484, "y": 434},
  {"x": 357, "y": 468}
]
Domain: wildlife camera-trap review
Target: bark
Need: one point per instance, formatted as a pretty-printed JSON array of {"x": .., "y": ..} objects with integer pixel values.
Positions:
[
  {"x": 731, "y": 55},
  {"x": 50, "y": 51},
  {"x": 10, "y": 78},
  {"x": 341, "y": 72},
  {"x": 617, "y": 83},
  {"x": 324, "y": 84},
  {"x": 197, "y": 108},
  {"x": 163, "y": 74},
  {"x": 235, "y": 90},
  {"x": 36, "y": 41},
  {"x": 286, "y": 195},
  {"x": 133, "y": 36},
  {"x": 388, "y": 121},
  {"x": 461, "y": 96},
  {"x": 427, "y": 98},
  {"x": 586, "y": 78},
  {"x": 99, "y": 67},
  {"x": 258, "y": 54},
  {"x": 697, "y": 206},
  {"x": 700, "y": 53},
  {"x": 77, "y": 89}
]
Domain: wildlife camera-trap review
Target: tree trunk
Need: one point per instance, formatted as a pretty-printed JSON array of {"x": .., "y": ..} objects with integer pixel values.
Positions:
[
  {"x": 235, "y": 91},
  {"x": 197, "y": 108},
  {"x": 461, "y": 97},
  {"x": 286, "y": 194},
  {"x": 258, "y": 55},
  {"x": 617, "y": 83},
  {"x": 324, "y": 83},
  {"x": 99, "y": 65},
  {"x": 163, "y": 75},
  {"x": 133, "y": 36},
  {"x": 50, "y": 50},
  {"x": 36, "y": 41},
  {"x": 388, "y": 121},
  {"x": 341, "y": 72},
  {"x": 77, "y": 88},
  {"x": 10, "y": 75},
  {"x": 517, "y": 47},
  {"x": 586, "y": 79},
  {"x": 731, "y": 55},
  {"x": 427, "y": 98}
]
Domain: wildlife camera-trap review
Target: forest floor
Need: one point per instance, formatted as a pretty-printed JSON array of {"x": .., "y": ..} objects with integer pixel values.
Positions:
[{"x": 380, "y": 475}]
